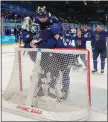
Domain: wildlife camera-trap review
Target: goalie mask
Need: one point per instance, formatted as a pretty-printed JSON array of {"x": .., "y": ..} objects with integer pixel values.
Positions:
[
  {"x": 41, "y": 12},
  {"x": 27, "y": 24}
]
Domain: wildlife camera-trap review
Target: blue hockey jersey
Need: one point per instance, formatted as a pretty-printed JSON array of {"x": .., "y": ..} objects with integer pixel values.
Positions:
[
  {"x": 27, "y": 37},
  {"x": 80, "y": 42},
  {"x": 46, "y": 28},
  {"x": 99, "y": 39}
]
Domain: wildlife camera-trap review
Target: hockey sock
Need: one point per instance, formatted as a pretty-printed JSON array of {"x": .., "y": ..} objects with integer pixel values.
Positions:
[
  {"x": 95, "y": 62},
  {"x": 102, "y": 62}
]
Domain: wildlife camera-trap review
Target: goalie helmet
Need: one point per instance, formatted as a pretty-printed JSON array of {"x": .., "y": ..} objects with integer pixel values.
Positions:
[
  {"x": 27, "y": 24},
  {"x": 41, "y": 12}
]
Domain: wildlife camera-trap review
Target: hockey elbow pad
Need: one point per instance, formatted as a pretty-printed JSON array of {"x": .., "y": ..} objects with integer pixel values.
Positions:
[{"x": 55, "y": 29}]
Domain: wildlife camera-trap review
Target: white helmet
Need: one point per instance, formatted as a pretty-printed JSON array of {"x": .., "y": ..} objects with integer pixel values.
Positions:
[{"x": 27, "y": 23}]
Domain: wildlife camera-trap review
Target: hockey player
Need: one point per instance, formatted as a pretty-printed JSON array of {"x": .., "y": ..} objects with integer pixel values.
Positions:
[
  {"x": 26, "y": 34},
  {"x": 45, "y": 21},
  {"x": 80, "y": 43},
  {"x": 99, "y": 46},
  {"x": 60, "y": 42},
  {"x": 50, "y": 31},
  {"x": 86, "y": 33}
]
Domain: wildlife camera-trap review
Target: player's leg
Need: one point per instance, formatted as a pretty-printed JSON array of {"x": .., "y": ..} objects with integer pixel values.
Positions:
[
  {"x": 44, "y": 67},
  {"x": 102, "y": 57},
  {"x": 65, "y": 82},
  {"x": 43, "y": 78},
  {"x": 50, "y": 65},
  {"x": 32, "y": 55},
  {"x": 77, "y": 64},
  {"x": 53, "y": 68},
  {"x": 93, "y": 49},
  {"x": 83, "y": 58},
  {"x": 95, "y": 56},
  {"x": 66, "y": 72},
  {"x": 54, "y": 75}
]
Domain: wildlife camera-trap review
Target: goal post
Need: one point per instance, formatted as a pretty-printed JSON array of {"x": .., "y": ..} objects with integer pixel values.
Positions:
[{"x": 49, "y": 84}]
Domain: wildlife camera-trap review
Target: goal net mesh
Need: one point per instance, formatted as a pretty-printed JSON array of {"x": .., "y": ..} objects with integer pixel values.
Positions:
[{"x": 55, "y": 81}]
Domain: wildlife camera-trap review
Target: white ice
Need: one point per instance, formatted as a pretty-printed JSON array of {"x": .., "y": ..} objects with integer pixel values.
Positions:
[{"x": 98, "y": 81}]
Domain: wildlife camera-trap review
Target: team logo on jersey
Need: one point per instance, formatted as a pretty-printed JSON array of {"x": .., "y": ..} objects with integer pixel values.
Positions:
[
  {"x": 79, "y": 42},
  {"x": 97, "y": 37}
]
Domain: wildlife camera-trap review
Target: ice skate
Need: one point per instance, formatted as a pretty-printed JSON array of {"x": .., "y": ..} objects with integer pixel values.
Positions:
[
  {"x": 78, "y": 65},
  {"x": 64, "y": 94},
  {"x": 102, "y": 70},
  {"x": 95, "y": 70}
]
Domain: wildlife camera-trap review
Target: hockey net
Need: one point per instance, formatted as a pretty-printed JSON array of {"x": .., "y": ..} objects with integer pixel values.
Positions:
[{"x": 50, "y": 84}]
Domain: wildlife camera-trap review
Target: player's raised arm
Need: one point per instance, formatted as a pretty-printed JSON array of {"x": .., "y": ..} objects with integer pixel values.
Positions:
[{"x": 26, "y": 34}]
